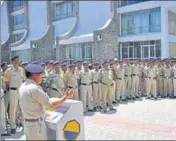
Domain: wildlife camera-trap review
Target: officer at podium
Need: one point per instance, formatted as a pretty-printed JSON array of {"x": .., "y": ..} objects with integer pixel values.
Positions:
[{"x": 34, "y": 101}]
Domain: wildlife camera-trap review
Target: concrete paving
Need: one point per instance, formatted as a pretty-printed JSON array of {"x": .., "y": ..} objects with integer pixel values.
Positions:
[{"x": 139, "y": 120}]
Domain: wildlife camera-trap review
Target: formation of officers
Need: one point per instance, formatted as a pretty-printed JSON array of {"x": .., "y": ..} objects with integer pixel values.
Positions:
[{"x": 98, "y": 86}]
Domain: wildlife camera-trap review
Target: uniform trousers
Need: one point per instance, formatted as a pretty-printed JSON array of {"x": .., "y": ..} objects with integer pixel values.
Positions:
[
  {"x": 6, "y": 102},
  {"x": 152, "y": 87},
  {"x": 14, "y": 107},
  {"x": 35, "y": 130},
  {"x": 160, "y": 86},
  {"x": 96, "y": 95},
  {"x": 128, "y": 86},
  {"x": 174, "y": 83},
  {"x": 2, "y": 116},
  {"x": 168, "y": 86},
  {"x": 114, "y": 91},
  {"x": 106, "y": 95},
  {"x": 135, "y": 86},
  {"x": 86, "y": 96},
  {"x": 120, "y": 89}
]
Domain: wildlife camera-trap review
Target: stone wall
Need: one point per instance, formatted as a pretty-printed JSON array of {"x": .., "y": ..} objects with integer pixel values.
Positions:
[
  {"x": 107, "y": 47},
  {"x": 42, "y": 49}
]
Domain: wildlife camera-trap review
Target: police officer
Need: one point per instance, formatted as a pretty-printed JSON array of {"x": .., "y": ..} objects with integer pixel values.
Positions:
[
  {"x": 135, "y": 79},
  {"x": 24, "y": 64},
  {"x": 86, "y": 87},
  {"x": 14, "y": 77},
  {"x": 71, "y": 80},
  {"x": 96, "y": 86},
  {"x": 151, "y": 85},
  {"x": 34, "y": 101},
  {"x": 106, "y": 80},
  {"x": 4, "y": 67},
  {"x": 56, "y": 82},
  {"x": 63, "y": 71}
]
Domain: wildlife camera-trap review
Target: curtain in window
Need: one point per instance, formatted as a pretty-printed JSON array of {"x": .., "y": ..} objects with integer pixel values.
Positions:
[
  {"x": 131, "y": 23},
  {"x": 124, "y": 25},
  {"x": 70, "y": 8},
  {"x": 145, "y": 22},
  {"x": 137, "y": 23}
]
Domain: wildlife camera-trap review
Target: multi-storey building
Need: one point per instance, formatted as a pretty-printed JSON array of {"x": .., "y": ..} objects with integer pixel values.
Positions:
[{"x": 88, "y": 30}]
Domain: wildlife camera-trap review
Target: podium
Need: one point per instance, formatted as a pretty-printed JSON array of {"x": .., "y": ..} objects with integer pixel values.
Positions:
[{"x": 66, "y": 122}]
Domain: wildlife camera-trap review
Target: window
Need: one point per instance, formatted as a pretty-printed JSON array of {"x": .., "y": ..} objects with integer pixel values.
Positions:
[
  {"x": 141, "y": 22},
  {"x": 129, "y": 2},
  {"x": 63, "y": 10},
  {"x": 81, "y": 51},
  {"x": 16, "y": 37},
  {"x": 19, "y": 19},
  {"x": 141, "y": 50},
  {"x": 17, "y": 3},
  {"x": 172, "y": 23}
]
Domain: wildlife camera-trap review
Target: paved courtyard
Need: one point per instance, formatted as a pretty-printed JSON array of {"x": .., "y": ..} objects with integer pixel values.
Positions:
[{"x": 142, "y": 119}]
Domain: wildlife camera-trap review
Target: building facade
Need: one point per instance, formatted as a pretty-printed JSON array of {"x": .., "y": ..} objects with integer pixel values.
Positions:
[{"x": 88, "y": 30}]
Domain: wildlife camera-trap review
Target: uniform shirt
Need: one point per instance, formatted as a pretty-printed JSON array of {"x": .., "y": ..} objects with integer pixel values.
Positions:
[
  {"x": 86, "y": 77},
  {"x": 174, "y": 72},
  {"x": 14, "y": 77},
  {"x": 152, "y": 72},
  {"x": 136, "y": 69},
  {"x": 71, "y": 79},
  {"x": 168, "y": 72},
  {"x": 160, "y": 71},
  {"x": 106, "y": 76},
  {"x": 120, "y": 72},
  {"x": 56, "y": 80},
  {"x": 33, "y": 100},
  {"x": 95, "y": 75},
  {"x": 128, "y": 70}
]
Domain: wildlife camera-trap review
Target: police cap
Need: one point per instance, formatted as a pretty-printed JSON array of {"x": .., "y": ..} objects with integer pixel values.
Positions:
[
  {"x": 15, "y": 57},
  {"x": 96, "y": 64},
  {"x": 72, "y": 65},
  {"x": 42, "y": 64},
  {"x": 34, "y": 68},
  {"x": 56, "y": 63},
  {"x": 105, "y": 62},
  {"x": 3, "y": 64},
  {"x": 63, "y": 65},
  {"x": 35, "y": 62},
  {"x": 51, "y": 62},
  {"x": 85, "y": 62},
  {"x": 24, "y": 63}
]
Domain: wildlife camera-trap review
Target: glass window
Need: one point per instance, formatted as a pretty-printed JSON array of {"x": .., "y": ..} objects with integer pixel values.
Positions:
[
  {"x": 158, "y": 50},
  {"x": 130, "y": 52},
  {"x": 16, "y": 37},
  {"x": 124, "y": 52},
  {"x": 63, "y": 10},
  {"x": 17, "y": 3},
  {"x": 137, "y": 51},
  {"x": 152, "y": 51},
  {"x": 141, "y": 22},
  {"x": 19, "y": 20},
  {"x": 129, "y": 2}
]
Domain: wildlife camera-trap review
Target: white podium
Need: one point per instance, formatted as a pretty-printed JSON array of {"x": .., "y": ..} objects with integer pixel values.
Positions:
[{"x": 66, "y": 122}]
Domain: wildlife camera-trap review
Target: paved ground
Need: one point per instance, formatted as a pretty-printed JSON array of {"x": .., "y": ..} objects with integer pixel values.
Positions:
[{"x": 142, "y": 119}]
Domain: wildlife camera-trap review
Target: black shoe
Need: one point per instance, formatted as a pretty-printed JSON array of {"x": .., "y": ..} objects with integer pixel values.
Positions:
[
  {"x": 6, "y": 134},
  {"x": 155, "y": 98},
  {"x": 13, "y": 131},
  {"x": 112, "y": 109},
  {"x": 105, "y": 111}
]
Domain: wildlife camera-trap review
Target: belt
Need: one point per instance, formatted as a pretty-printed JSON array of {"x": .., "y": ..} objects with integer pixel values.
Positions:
[
  {"x": 54, "y": 89},
  {"x": 119, "y": 78},
  {"x": 12, "y": 88},
  {"x": 86, "y": 84},
  {"x": 168, "y": 77},
  {"x": 95, "y": 82},
  {"x": 33, "y": 120},
  {"x": 5, "y": 92},
  {"x": 152, "y": 77},
  {"x": 72, "y": 87},
  {"x": 107, "y": 84},
  {"x": 135, "y": 75},
  {"x": 161, "y": 75},
  {"x": 127, "y": 75}
]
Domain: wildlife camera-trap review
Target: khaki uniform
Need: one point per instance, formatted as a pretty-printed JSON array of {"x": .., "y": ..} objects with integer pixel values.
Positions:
[
  {"x": 128, "y": 80},
  {"x": 2, "y": 115},
  {"x": 160, "y": 81},
  {"x": 168, "y": 84},
  {"x": 71, "y": 81},
  {"x": 114, "y": 93},
  {"x": 151, "y": 85},
  {"x": 56, "y": 84},
  {"x": 96, "y": 88},
  {"x": 86, "y": 89},
  {"x": 174, "y": 81},
  {"x": 135, "y": 80},
  {"x": 106, "y": 79},
  {"x": 145, "y": 79},
  {"x": 120, "y": 83},
  {"x": 15, "y": 79},
  {"x": 33, "y": 101}
]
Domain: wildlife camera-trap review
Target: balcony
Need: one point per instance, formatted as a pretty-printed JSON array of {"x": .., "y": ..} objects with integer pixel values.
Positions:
[{"x": 130, "y": 2}]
